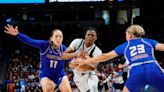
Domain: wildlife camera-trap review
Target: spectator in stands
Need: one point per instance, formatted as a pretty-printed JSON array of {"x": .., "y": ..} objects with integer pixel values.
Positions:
[
  {"x": 138, "y": 52},
  {"x": 52, "y": 71}
]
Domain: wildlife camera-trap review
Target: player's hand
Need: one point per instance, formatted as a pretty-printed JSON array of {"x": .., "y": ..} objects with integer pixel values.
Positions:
[
  {"x": 82, "y": 62},
  {"x": 76, "y": 61},
  {"x": 72, "y": 65},
  {"x": 83, "y": 53},
  {"x": 86, "y": 57},
  {"x": 120, "y": 66},
  {"x": 80, "y": 54},
  {"x": 9, "y": 29},
  {"x": 77, "y": 54}
]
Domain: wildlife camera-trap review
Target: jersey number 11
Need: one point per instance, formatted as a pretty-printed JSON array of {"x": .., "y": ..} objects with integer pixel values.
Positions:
[{"x": 53, "y": 63}]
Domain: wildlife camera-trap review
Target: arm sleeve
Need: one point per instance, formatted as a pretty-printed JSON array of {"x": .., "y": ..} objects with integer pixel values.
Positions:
[
  {"x": 64, "y": 48},
  {"x": 97, "y": 52},
  {"x": 120, "y": 49},
  {"x": 29, "y": 41},
  {"x": 154, "y": 43}
]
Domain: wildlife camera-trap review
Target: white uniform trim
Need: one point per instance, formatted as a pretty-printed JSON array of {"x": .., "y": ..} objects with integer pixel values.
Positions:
[
  {"x": 137, "y": 64},
  {"x": 127, "y": 61},
  {"x": 152, "y": 50},
  {"x": 140, "y": 63}
]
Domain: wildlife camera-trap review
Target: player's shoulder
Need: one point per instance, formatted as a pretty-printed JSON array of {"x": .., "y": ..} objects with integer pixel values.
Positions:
[
  {"x": 45, "y": 43},
  {"x": 98, "y": 49},
  {"x": 149, "y": 40},
  {"x": 124, "y": 44},
  {"x": 78, "y": 39},
  {"x": 64, "y": 47}
]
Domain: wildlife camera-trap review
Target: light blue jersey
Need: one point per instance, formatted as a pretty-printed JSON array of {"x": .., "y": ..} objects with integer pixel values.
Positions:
[{"x": 50, "y": 64}]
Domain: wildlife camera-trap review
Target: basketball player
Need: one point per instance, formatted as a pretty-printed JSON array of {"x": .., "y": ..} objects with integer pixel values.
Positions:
[
  {"x": 139, "y": 53},
  {"x": 85, "y": 77},
  {"x": 52, "y": 71}
]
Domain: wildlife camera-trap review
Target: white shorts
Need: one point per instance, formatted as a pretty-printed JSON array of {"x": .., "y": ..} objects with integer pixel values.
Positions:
[{"x": 86, "y": 81}]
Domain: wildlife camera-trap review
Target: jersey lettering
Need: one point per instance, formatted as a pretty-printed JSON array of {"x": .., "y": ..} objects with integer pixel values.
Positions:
[
  {"x": 139, "y": 49},
  {"x": 53, "y": 63}
]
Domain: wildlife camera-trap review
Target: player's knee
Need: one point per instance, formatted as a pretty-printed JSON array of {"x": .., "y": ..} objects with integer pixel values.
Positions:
[
  {"x": 65, "y": 88},
  {"x": 49, "y": 88}
]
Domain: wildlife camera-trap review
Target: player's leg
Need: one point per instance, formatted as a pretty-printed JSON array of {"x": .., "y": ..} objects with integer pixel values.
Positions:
[
  {"x": 136, "y": 84},
  {"x": 156, "y": 77},
  {"x": 93, "y": 83},
  {"x": 137, "y": 79},
  {"x": 158, "y": 84},
  {"x": 65, "y": 85},
  {"x": 47, "y": 85},
  {"x": 82, "y": 82}
]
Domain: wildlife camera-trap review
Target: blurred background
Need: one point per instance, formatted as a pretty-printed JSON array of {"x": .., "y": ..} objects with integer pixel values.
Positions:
[{"x": 19, "y": 63}]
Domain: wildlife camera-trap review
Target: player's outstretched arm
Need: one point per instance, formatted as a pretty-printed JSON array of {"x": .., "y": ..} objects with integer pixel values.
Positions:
[
  {"x": 9, "y": 29},
  {"x": 101, "y": 58},
  {"x": 160, "y": 47},
  {"x": 67, "y": 56}
]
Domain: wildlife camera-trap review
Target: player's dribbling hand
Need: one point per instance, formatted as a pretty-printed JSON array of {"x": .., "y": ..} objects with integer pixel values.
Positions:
[
  {"x": 9, "y": 29},
  {"x": 82, "y": 62},
  {"x": 76, "y": 61}
]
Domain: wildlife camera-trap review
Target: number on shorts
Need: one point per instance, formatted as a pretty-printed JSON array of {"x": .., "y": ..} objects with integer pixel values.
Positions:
[
  {"x": 139, "y": 49},
  {"x": 53, "y": 63}
]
